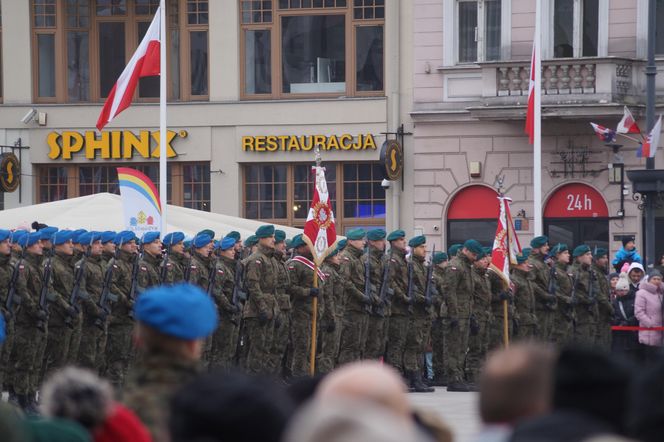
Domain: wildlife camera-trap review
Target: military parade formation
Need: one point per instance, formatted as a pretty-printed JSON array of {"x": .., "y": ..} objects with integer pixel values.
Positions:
[{"x": 69, "y": 299}]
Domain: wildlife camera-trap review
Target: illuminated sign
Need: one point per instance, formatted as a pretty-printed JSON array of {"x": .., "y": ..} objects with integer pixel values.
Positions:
[
  {"x": 109, "y": 145},
  {"x": 288, "y": 143}
]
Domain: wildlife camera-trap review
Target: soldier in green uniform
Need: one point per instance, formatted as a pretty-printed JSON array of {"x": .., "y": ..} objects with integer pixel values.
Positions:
[
  {"x": 604, "y": 306},
  {"x": 481, "y": 318},
  {"x": 92, "y": 350},
  {"x": 238, "y": 242},
  {"x": 6, "y": 272},
  {"x": 540, "y": 273},
  {"x": 585, "y": 296},
  {"x": 261, "y": 307},
  {"x": 172, "y": 324},
  {"x": 282, "y": 323},
  {"x": 302, "y": 292},
  {"x": 120, "y": 323},
  {"x": 77, "y": 319},
  {"x": 174, "y": 262},
  {"x": 419, "y": 331},
  {"x": 107, "y": 241},
  {"x": 400, "y": 302},
  {"x": 440, "y": 261},
  {"x": 330, "y": 324},
  {"x": 378, "y": 321},
  {"x": 563, "y": 322},
  {"x": 250, "y": 246},
  {"x": 446, "y": 320},
  {"x": 149, "y": 262},
  {"x": 200, "y": 263},
  {"x": 526, "y": 321},
  {"x": 79, "y": 249},
  {"x": 459, "y": 284},
  {"x": 356, "y": 316},
  {"x": 224, "y": 339}
]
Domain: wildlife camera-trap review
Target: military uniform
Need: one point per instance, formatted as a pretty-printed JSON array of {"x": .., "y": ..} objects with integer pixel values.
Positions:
[
  {"x": 563, "y": 323},
  {"x": 585, "y": 293},
  {"x": 92, "y": 350},
  {"x": 330, "y": 335},
  {"x": 177, "y": 263},
  {"x": 200, "y": 271},
  {"x": 525, "y": 326},
  {"x": 224, "y": 339},
  {"x": 377, "y": 321},
  {"x": 282, "y": 323},
  {"x": 545, "y": 302},
  {"x": 499, "y": 295},
  {"x": 148, "y": 273},
  {"x": 604, "y": 309},
  {"x": 6, "y": 271},
  {"x": 419, "y": 331},
  {"x": 400, "y": 308},
  {"x": 438, "y": 327},
  {"x": 480, "y": 324}
]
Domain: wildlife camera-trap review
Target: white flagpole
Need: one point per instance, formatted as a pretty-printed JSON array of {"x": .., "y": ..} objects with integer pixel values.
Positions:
[
  {"x": 163, "y": 189},
  {"x": 537, "y": 148}
]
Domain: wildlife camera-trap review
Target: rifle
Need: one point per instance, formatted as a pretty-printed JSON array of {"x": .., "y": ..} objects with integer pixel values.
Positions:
[
  {"x": 367, "y": 273},
  {"x": 105, "y": 308},
  {"x": 43, "y": 295},
  {"x": 212, "y": 273},
  {"x": 239, "y": 295},
  {"x": 11, "y": 290},
  {"x": 75, "y": 292},
  {"x": 187, "y": 271},
  {"x": 163, "y": 268},
  {"x": 384, "y": 291},
  {"x": 428, "y": 290},
  {"x": 551, "y": 289},
  {"x": 591, "y": 290},
  {"x": 131, "y": 296},
  {"x": 409, "y": 289}
]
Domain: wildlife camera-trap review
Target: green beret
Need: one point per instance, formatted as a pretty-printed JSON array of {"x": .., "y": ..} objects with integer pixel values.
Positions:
[
  {"x": 355, "y": 234},
  {"x": 580, "y": 250},
  {"x": 559, "y": 248},
  {"x": 454, "y": 249},
  {"x": 473, "y": 246},
  {"x": 417, "y": 241},
  {"x": 439, "y": 257},
  {"x": 539, "y": 241},
  {"x": 279, "y": 236},
  {"x": 251, "y": 241},
  {"x": 523, "y": 256},
  {"x": 298, "y": 241},
  {"x": 206, "y": 232},
  {"x": 487, "y": 251},
  {"x": 397, "y": 234},
  {"x": 599, "y": 252},
  {"x": 234, "y": 234},
  {"x": 289, "y": 243},
  {"x": 376, "y": 234},
  {"x": 342, "y": 244},
  {"x": 333, "y": 253},
  {"x": 265, "y": 231}
]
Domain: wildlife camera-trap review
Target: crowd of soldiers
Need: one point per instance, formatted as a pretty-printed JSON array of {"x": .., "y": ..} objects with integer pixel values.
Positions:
[{"x": 69, "y": 296}]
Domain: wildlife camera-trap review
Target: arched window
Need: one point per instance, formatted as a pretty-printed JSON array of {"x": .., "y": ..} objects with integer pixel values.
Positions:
[{"x": 473, "y": 213}]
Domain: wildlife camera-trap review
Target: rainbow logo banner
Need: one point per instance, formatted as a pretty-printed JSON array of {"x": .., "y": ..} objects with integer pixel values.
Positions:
[{"x": 140, "y": 201}]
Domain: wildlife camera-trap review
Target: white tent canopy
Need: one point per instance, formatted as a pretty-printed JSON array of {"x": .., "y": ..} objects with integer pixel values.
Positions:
[{"x": 103, "y": 211}]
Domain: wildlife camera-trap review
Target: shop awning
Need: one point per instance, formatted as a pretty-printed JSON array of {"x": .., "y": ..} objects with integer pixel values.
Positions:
[{"x": 103, "y": 211}]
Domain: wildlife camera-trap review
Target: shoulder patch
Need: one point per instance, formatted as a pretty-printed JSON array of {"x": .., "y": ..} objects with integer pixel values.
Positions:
[
  {"x": 144, "y": 269},
  {"x": 346, "y": 258},
  {"x": 453, "y": 268},
  {"x": 291, "y": 267},
  {"x": 393, "y": 260},
  {"x": 221, "y": 272},
  {"x": 21, "y": 267}
]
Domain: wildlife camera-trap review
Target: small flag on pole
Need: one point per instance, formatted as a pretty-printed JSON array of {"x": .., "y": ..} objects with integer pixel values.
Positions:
[
  {"x": 649, "y": 147},
  {"x": 144, "y": 63},
  {"x": 628, "y": 124},
  {"x": 604, "y": 133}
]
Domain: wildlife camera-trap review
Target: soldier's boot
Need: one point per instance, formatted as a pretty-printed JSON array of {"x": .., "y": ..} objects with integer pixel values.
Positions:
[
  {"x": 13, "y": 398},
  {"x": 458, "y": 386},
  {"x": 418, "y": 385},
  {"x": 408, "y": 380}
]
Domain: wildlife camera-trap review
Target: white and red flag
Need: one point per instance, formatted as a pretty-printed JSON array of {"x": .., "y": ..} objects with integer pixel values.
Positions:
[
  {"x": 144, "y": 63},
  {"x": 604, "y": 133},
  {"x": 320, "y": 231},
  {"x": 649, "y": 147},
  {"x": 628, "y": 124},
  {"x": 530, "y": 112},
  {"x": 506, "y": 244}
]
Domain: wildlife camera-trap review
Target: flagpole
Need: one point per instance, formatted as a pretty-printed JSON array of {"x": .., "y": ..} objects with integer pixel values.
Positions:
[
  {"x": 163, "y": 188},
  {"x": 314, "y": 325},
  {"x": 506, "y": 326},
  {"x": 537, "y": 151}
]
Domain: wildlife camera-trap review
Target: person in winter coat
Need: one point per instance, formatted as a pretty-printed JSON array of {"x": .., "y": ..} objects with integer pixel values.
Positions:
[
  {"x": 635, "y": 274},
  {"x": 648, "y": 310},
  {"x": 627, "y": 254},
  {"x": 624, "y": 342}
]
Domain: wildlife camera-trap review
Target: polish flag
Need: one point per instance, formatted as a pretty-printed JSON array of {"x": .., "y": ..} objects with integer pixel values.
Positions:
[
  {"x": 650, "y": 145},
  {"x": 506, "y": 244},
  {"x": 604, "y": 133},
  {"x": 144, "y": 63},
  {"x": 628, "y": 124},
  {"x": 320, "y": 231},
  {"x": 530, "y": 113}
]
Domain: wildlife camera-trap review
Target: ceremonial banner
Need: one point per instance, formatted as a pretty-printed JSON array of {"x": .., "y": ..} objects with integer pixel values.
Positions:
[
  {"x": 506, "y": 244},
  {"x": 649, "y": 147},
  {"x": 140, "y": 201},
  {"x": 320, "y": 232}
]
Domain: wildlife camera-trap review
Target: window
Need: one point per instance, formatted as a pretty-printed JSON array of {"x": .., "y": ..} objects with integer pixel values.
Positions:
[
  {"x": 312, "y": 47},
  {"x": 196, "y": 182},
  {"x": 575, "y": 41},
  {"x": 478, "y": 30},
  {"x": 281, "y": 193},
  {"x": 80, "y": 47},
  {"x": 52, "y": 184}
]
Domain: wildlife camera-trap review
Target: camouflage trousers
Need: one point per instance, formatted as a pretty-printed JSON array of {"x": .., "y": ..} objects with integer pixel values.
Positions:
[
  {"x": 5, "y": 364},
  {"x": 439, "y": 349},
  {"x": 26, "y": 358},
  {"x": 75, "y": 341},
  {"x": 92, "y": 350},
  {"x": 118, "y": 353},
  {"x": 224, "y": 343},
  {"x": 396, "y": 340},
  {"x": 526, "y": 332},
  {"x": 353, "y": 337},
  {"x": 585, "y": 333},
  {"x": 497, "y": 333},
  {"x": 419, "y": 333},
  {"x": 57, "y": 349},
  {"x": 457, "y": 347},
  {"x": 563, "y": 329},
  {"x": 300, "y": 348},
  {"x": 545, "y": 322},
  {"x": 376, "y": 337},
  {"x": 328, "y": 347},
  {"x": 280, "y": 344},
  {"x": 478, "y": 345},
  {"x": 603, "y": 336},
  {"x": 258, "y": 344}
]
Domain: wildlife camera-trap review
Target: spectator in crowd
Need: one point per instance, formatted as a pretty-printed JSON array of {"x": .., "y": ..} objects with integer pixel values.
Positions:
[
  {"x": 660, "y": 264},
  {"x": 624, "y": 342},
  {"x": 646, "y": 416},
  {"x": 648, "y": 310},
  {"x": 230, "y": 407},
  {"x": 590, "y": 398},
  {"x": 613, "y": 280},
  {"x": 627, "y": 254},
  {"x": 635, "y": 274},
  {"x": 515, "y": 385}
]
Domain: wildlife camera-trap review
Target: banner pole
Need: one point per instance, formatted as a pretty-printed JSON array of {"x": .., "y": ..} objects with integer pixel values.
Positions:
[
  {"x": 314, "y": 325},
  {"x": 508, "y": 224},
  {"x": 537, "y": 148},
  {"x": 163, "y": 188}
]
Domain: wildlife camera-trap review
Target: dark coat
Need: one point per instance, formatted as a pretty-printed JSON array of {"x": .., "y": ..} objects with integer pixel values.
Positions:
[{"x": 623, "y": 314}]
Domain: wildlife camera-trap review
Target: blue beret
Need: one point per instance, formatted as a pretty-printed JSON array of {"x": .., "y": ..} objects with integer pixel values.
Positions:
[
  {"x": 251, "y": 241},
  {"x": 376, "y": 234},
  {"x": 149, "y": 237},
  {"x": 342, "y": 244},
  {"x": 298, "y": 241},
  {"x": 439, "y": 257},
  {"x": 183, "y": 311},
  {"x": 62, "y": 237},
  {"x": 539, "y": 241},
  {"x": 580, "y": 250},
  {"x": 473, "y": 246},
  {"x": 523, "y": 256},
  {"x": 124, "y": 237},
  {"x": 559, "y": 248},
  {"x": 234, "y": 234},
  {"x": 3, "y": 333},
  {"x": 279, "y": 235},
  {"x": 4, "y": 234},
  {"x": 397, "y": 234},
  {"x": 76, "y": 234},
  {"x": 107, "y": 236},
  {"x": 417, "y": 241},
  {"x": 355, "y": 234},
  {"x": 47, "y": 232},
  {"x": 599, "y": 252},
  {"x": 207, "y": 232},
  {"x": 32, "y": 238},
  {"x": 454, "y": 249},
  {"x": 18, "y": 237},
  {"x": 226, "y": 243},
  {"x": 88, "y": 238},
  {"x": 265, "y": 231},
  {"x": 187, "y": 242},
  {"x": 201, "y": 240},
  {"x": 173, "y": 238}
]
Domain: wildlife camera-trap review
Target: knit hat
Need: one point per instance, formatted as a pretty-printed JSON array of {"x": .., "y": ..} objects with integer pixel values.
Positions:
[
  {"x": 654, "y": 273},
  {"x": 627, "y": 238},
  {"x": 623, "y": 283}
]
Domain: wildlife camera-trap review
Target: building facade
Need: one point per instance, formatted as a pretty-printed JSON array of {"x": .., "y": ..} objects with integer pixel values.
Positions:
[
  {"x": 471, "y": 69},
  {"x": 253, "y": 86}
]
